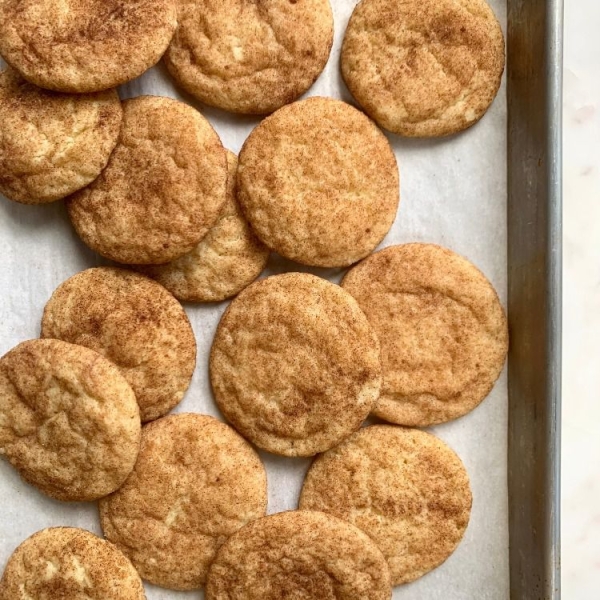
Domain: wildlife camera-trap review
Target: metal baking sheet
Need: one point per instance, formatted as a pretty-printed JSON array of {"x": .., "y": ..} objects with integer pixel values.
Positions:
[
  {"x": 453, "y": 192},
  {"x": 534, "y": 295}
]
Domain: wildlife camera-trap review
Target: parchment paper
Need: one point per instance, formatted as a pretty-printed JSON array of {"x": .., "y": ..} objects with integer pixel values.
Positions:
[{"x": 453, "y": 192}]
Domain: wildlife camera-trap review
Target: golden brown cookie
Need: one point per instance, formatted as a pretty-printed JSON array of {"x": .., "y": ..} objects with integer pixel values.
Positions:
[
  {"x": 52, "y": 144},
  {"x": 318, "y": 182},
  {"x": 195, "y": 483},
  {"x": 162, "y": 190},
  {"x": 69, "y": 422},
  {"x": 250, "y": 57},
  {"x": 423, "y": 68},
  {"x": 228, "y": 258},
  {"x": 299, "y": 554},
  {"x": 135, "y": 323},
  {"x": 295, "y": 365},
  {"x": 65, "y": 563},
  {"x": 84, "y": 45},
  {"x": 404, "y": 488},
  {"x": 442, "y": 330}
]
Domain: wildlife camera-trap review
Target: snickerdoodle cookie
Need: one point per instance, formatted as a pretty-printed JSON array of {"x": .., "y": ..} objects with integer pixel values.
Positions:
[
  {"x": 162, "y": 190},
  {"x": 133, "y": 321},
  {"x": 250, "y": 57},
  {"x": 228, "y": 258},
  {"x": 442, "y": 329},
  {"x": 299, "y": 554},
  {"x": 318, "y": 182},
  {"x": 65, "y": 563},
  {"x": 295, "y": 365},
  {"x": 423, "y": 67},
  {"x": 404, "y": 488},
  {"x": 69, "y": 422},
  {"x": 52, "y": 144},
  {"x": 84, "y": 45},
  {"x": 195, "y": 483}
]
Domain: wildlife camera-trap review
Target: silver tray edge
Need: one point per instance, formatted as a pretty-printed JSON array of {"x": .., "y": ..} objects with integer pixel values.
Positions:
[{"x": 534, "y": 84}]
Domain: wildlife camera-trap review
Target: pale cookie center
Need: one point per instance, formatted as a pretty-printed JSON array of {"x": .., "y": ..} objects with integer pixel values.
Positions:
[
  {"x": 434, "y": 346},
  {"x": 431, "y": 69},
  {"x": 250, "y": 39}
]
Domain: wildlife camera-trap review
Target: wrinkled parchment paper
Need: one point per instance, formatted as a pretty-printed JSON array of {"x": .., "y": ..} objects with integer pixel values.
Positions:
[{"x": 453, "y": 192}]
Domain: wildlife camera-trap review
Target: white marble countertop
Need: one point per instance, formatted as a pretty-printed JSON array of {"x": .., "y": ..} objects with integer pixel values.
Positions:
[{"x": 581, "y": 350}]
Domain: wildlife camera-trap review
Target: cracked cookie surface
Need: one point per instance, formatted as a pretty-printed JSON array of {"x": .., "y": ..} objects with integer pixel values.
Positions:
[
  {"x": 442, "y": 329},
  {"x": 69, "y": 421},
  {"x": 423, "y": 68},
  {"x": 84, "y": 45},
  {"x": 135, "y": 323},
  {"x": 319, "y": 183},
  {"x": 299, "y": 554},
  {"x": 66, "y": 562},
  {"x": 52, "y": 144},
  {"x": 294, "y": 364},
  {"x": 195, "y": 483},
  {"x": 162, "y": 190},
  {"x": 228, "y": 258},
  {"x": 404, "y": 488},
  {"x": 250, "y": 57}
]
